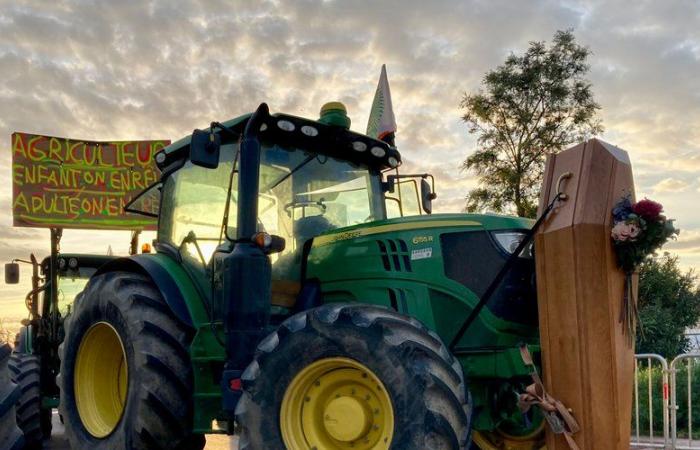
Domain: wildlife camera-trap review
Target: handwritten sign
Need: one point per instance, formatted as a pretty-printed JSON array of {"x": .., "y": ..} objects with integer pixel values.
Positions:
[{"x": 60, "y": 182}]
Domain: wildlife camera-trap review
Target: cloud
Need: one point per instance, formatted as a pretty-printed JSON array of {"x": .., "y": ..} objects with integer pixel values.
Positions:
[{"x": 670, "y": 185}]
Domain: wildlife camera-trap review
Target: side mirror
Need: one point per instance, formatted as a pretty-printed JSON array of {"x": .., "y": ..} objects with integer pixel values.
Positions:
[
  {"x": 204, "y": 149},
  {"x": 427, "y": 196},
  {"x": 11, "y": 273}
]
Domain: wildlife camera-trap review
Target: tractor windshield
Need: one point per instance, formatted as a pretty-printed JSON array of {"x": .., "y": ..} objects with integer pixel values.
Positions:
[
  {"x": 313, "y": 193},
  {"x": 301, "y": 195}
]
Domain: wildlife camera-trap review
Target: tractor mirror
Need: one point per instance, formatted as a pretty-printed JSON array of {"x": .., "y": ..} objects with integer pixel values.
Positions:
[
  {"x": 11, "y": 273},
  {"x": 204, "y": 149},
  {"x": 427, "y": 196}
]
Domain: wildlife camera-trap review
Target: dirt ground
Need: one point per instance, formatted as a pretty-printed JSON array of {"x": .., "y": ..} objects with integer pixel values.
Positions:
[{"x": 59, "y": 442}]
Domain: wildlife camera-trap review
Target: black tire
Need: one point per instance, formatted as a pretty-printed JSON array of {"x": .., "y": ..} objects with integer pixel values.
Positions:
[
  {"x": 26, "y": 372},
  {"x": 11, "y": 436},
  {"x": 158, "y": 410},
  {"x": 432, "y": 408}
]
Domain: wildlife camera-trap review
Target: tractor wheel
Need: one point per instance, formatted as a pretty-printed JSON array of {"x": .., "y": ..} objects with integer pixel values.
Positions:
[
  {"x": 11, "y": 436},
  {"x": 126, "y": 378},
  {"x": 25, "y": 370},
  {"x": 353, "y": 376}
]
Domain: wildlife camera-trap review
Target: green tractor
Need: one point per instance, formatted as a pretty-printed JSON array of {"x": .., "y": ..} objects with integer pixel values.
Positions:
[
  {"x": 34, "y": 363},
  {"x": 301, "y": 295}
]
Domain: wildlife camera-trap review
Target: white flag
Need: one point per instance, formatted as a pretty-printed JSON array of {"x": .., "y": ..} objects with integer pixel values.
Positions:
[{"x": 381, "y": 119}]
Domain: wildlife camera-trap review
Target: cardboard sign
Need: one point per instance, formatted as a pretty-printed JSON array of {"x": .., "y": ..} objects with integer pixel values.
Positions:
[{"x": 61, "y": 182}]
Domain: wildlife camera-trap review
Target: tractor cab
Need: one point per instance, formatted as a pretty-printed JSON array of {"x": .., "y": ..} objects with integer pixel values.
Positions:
[{"x": 307, "y": 178}]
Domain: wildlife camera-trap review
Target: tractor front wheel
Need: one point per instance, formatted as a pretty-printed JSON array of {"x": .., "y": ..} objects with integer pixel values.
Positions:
[
  {"x": 126, "y": 377},
  {"x": 353, "y": 376}
]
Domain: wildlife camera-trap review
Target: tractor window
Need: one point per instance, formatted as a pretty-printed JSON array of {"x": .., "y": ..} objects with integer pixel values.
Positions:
[
  {"x": 194, "y": 200},
  {"x": 404, "y": 201},
  {"x": 68, "y": 289},
  {"x": 307, "y": 194}
]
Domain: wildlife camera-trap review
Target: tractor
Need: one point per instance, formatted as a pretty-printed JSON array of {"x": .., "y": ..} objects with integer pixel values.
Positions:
[
  {"x": 34, "y": 363},
  {"x": 303, "y": 296}
]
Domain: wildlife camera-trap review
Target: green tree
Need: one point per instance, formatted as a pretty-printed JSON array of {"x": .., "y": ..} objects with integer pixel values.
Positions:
[
  {"x": 669, "y": 302},
  {"x": 533, "y": 105}
]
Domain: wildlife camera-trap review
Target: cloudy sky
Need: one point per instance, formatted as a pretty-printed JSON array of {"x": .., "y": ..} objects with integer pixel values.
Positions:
[{"x": 157, "y": 69}]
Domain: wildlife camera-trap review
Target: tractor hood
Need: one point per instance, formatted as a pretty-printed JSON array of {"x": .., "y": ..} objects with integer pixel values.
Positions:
[{"x": 420, "y": 225}]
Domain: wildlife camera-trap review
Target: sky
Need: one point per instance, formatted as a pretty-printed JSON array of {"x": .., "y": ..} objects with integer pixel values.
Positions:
[{"x": 107, "y": 70}]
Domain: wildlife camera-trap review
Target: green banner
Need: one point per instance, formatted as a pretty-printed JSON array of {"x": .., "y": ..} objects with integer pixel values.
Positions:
[{"x": 67, "y": 183}]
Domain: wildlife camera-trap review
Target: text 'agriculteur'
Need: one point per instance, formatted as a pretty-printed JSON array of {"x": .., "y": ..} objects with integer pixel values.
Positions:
[{"x": 61, "y": 182}]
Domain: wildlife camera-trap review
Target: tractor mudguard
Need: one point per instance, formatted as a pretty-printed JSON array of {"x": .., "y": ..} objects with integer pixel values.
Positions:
[{"x": 163, "y": 280}]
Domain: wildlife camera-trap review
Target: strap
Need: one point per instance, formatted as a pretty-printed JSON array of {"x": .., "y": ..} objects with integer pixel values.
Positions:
[{"x": 558, "y": 416}]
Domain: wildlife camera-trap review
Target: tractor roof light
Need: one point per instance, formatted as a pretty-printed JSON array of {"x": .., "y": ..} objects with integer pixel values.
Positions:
[
  {"x": 335, "y": 113},
  {"x": 73, "y": 263},
  {"x": 286, "y": 125},
  {"x": 378, "y": 152},
  {"x": 359, "y": 146},
  {"x": 309, "y": 130}
]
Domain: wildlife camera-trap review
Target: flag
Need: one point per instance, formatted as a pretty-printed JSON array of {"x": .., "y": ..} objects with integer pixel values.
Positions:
[{"x": 382, "y": 123}]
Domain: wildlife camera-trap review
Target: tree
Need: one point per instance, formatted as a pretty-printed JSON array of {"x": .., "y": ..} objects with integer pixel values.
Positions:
[
  {"x": 669, "y": 303},
  {"x": 533, "y": 105}
]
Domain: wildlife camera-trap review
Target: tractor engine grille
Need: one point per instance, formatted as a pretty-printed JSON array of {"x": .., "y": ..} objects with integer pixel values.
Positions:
[
  {"x": 395, "y": 255},
  {"x": 473, "y": 259}
]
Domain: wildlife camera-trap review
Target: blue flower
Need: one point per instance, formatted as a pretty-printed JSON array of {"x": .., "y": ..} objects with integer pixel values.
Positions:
[{"x": 622, "y": 210}]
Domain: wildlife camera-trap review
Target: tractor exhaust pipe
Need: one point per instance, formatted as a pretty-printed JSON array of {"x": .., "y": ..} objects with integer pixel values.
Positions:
[{"x": 246, "y": 272}]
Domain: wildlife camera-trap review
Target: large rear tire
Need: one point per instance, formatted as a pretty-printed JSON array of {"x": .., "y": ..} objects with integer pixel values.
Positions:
[
  {"x": 360, "y": 376},
  {"x": 26, "y": 372},
  {"x": 126, "y": 377},
  {"x": 11, "y": 436}
]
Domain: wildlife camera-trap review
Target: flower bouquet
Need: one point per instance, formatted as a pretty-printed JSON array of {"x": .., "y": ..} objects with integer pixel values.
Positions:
[{"x": 639, "y": 229}]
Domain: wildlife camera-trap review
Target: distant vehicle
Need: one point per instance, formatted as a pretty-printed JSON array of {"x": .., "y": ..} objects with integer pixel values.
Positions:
[{"x": 34, "y": 362}]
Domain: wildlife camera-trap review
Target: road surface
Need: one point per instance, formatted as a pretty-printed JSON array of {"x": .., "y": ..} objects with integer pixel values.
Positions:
[
  {"x": 59, "y": 442},
  {"x": 214, "y": 442}
]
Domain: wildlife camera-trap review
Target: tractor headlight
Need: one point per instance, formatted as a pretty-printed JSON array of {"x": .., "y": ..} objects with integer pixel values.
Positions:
[
  {"x": 73, "y": 263},
  {"x": 509, "y": 241}
]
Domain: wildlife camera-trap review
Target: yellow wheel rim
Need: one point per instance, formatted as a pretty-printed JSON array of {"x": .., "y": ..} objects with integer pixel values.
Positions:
[
  {"x": 498, "y": 440},
  {"x": 101, "y": 379},
  {"x": 336, "y": 403}
]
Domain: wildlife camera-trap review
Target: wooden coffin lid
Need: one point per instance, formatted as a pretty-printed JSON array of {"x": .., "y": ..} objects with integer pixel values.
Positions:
[{"x": 601, "y": 176}]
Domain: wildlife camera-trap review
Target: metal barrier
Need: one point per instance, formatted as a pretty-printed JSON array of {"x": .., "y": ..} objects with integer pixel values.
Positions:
[
  {"x": 688, "y": 357},
  {"x": 653, "y": 440}
]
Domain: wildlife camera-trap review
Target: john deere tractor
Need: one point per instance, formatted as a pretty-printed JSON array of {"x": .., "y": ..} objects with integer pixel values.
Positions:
[
  {"x": 302, "y": 296},
  {"x": 33, "y": 363}
]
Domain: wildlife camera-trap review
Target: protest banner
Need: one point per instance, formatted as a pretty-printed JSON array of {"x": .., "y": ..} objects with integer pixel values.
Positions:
[{"x": 67, "y": 183}]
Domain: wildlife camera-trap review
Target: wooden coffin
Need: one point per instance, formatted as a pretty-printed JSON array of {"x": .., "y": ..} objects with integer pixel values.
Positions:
[{"x": 588, "y": 360}]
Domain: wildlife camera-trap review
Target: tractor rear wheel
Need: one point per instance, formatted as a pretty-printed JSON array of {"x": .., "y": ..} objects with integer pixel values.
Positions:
[
  {"x": 26, "y": 372},
  {"x": 126, "y": 377},
  {"x": 11, "y": 436},
  {"x": 353, "y": 376}
]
